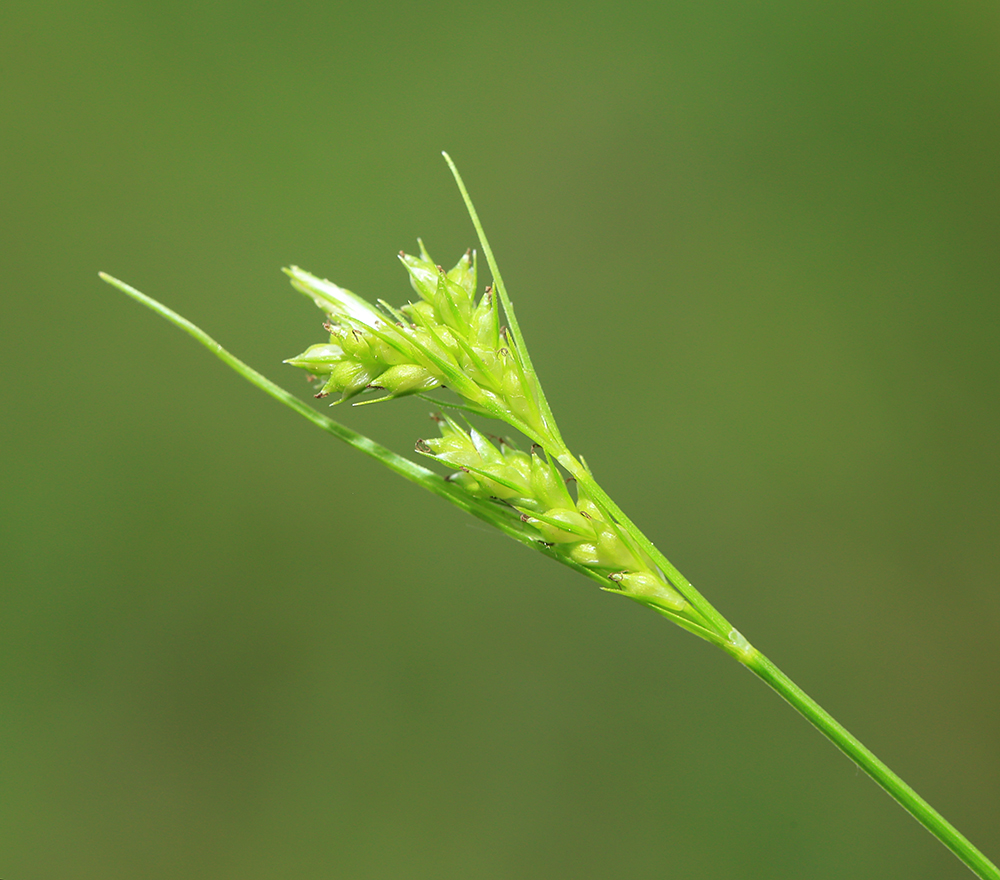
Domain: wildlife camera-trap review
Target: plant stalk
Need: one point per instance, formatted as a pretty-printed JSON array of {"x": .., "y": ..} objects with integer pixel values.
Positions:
[
  {"x": 764, "y": 669},
  {"x": 833, "y": 730},
  {"x": 849, "y": 744}
]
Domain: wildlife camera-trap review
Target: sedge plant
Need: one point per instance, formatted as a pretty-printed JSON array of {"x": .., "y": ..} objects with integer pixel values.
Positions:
[{"x": 454, "y": 337}]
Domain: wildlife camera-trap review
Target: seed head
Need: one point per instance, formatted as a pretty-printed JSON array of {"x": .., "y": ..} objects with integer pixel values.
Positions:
[
  {"x": 447, "y": 337},
  {"x": 533, "y": 485}
]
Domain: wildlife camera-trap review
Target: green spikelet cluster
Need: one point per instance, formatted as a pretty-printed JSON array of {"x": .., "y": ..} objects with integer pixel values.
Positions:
[
  {"x": 447, "y": 337},
  {"x": 532, "y": 485}
]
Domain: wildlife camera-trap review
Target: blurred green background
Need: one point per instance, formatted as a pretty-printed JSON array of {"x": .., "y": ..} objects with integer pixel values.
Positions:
[{"x": 755, "y": 250}]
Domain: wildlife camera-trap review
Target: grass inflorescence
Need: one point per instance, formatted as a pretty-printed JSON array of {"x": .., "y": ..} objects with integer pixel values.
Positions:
[{"x": 454, "y": 337}]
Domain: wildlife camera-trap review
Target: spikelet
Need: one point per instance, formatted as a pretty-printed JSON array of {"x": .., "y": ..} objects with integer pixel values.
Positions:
[
  {"x": 534, "y": 486},
  {"x": 447, "y": 337}
]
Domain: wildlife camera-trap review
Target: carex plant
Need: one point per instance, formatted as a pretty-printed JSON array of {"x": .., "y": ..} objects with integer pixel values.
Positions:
[
  {"x": 458, "y": 335},
  {"x": 451, "y": 337}
]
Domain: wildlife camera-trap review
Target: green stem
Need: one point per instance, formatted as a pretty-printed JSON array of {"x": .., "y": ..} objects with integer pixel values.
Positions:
[
  {"x": 736, "y": 645},
  {"x": 922, "y": 811}
]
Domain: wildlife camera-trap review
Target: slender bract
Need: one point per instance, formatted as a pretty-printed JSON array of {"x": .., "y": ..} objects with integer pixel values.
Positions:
[{"x": 543, "y": 496}]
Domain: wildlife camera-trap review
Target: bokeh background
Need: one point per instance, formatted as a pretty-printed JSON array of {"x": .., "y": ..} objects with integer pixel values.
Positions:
[{"x": 754, "y": 248}]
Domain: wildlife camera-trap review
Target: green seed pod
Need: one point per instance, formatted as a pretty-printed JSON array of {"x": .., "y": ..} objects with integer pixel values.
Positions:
[
  {"x": 355, "y": 344},
  {"x": 430, "y": 338},
  {"x": 384, "y": 353},
  {"x": 318, "y": 359},
  {"x": 614, "y": 551},
  {"x": 561, "y": 526},
  {"x": 469, "y": 483},
  {"x": 353, "y": 377},
  {"x": 587, "y": 507},
  {"x": 464, "y": 273},
  {"x": 350, "y": 378},
  {"x": 586, "y": 554},
  {"x": 499, "y": 472},
  {"x": 609, "y": 551},
  {"x": 517, "y": 461},
  {"x": 484, "y": 324},
  {"x": 516, "y": 392},
  {"x": 423, "y": 275},
  {"x": 647, "y": 588},
  {"x": 420, "y": 312},
  {"x": 489, "y": 455},
  {"x": 453, "y": 304},
  {"x": 503, "y": 471},
  {"x": 493, "y": 366},
  {"x": 447, "y": 339},
  {"x": 434, "y": 335},
  {"x": 453, "y": 446},
  {"x": 547, "y": 484},
  {"x": 403, "y": 379}
]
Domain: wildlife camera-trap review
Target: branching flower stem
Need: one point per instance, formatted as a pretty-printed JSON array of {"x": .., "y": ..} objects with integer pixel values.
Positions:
[{"x": 423, "y": 346}]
